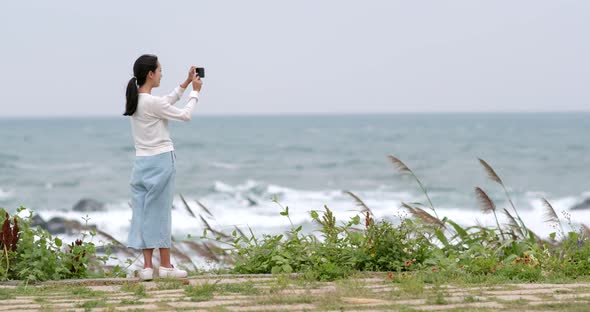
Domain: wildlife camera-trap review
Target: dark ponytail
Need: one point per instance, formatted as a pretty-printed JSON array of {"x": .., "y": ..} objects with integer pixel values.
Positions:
[{"x": 143, "y": 65}]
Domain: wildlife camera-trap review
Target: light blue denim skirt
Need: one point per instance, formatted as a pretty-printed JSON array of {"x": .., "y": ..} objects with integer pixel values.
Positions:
[{"x": 152, "y": 190}]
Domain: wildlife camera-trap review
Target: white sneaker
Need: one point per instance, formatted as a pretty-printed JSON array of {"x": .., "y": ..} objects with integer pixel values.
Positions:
[
  {"x": 172, "y": 272},
  {"x": 146, "y": 274}
]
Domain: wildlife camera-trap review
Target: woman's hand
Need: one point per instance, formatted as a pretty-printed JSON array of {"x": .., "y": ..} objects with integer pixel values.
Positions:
[
  {"x": 197, "y": 83},
  {"x": 191, "y": 76}
]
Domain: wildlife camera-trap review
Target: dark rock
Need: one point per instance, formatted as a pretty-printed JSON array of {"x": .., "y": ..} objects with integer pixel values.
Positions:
[
  {"x": 56, "y": 225},
  {"x": 38, "y": 221},
  {"x": 59, "y": 225},
  {"x": 583, "y": 205},
  {"x": 88, "y": 205},
  {"x": 251, "y": 202}
]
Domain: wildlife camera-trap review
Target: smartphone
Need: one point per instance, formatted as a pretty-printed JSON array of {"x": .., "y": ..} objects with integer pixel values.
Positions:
[{"x": 201, "y": 72}]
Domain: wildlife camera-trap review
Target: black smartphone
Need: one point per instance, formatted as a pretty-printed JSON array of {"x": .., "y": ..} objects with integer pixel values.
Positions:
[{"x": 200, "y": 72}]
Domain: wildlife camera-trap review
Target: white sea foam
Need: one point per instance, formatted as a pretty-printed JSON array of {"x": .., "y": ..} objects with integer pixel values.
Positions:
[
  {"x": 230, "y": 210},
  {"x": 251, "y": 204}
]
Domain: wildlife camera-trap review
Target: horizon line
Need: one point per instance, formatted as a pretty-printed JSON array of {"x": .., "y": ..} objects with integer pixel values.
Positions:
[{"x": 295, "y": 114}]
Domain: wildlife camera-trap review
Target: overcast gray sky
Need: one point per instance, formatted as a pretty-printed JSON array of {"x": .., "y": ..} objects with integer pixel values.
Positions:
[{"x": 63, "y": 58}]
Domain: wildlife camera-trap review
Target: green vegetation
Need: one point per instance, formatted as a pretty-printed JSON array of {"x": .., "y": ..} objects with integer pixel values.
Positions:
[
  {"x": 423, "y": 243},
  {"x": 424, "y": 249},
  {"x": 33, "y": 254}
]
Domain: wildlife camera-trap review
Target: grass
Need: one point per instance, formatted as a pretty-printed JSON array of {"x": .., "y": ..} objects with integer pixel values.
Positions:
[
  {"x": 470, "y": 299},
  {"x": 206, "y": 291},
  {"x": 6, "y": 293},
  {"x": 287, "y": 299},
  {"x": 437, "y": 295},
  {"x": 169, "y": 283},
  {"x": 202, "y": 292},
  {"x": 85, "y": 292},
  {"x": 245, "y": 288},
  {"x": 89, "y": 305},
  {"x": 130, "y": 301},
  {"x": 342, "y": 295},
  {"x": 281, "y": 282},
  {"x": 136, "y": 288}
]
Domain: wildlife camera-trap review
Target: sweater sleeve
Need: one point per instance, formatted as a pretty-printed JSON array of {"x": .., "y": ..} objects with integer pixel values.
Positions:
[
  {"x": 175, "y": 95},
  {"x": 164, "y": 109}
]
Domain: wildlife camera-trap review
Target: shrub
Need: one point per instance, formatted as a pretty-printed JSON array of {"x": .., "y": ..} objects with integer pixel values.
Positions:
[{"x": 33, "y": 254}]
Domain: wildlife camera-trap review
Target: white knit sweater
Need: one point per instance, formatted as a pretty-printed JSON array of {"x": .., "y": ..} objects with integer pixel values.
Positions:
[{"x": 149, "y": 123}]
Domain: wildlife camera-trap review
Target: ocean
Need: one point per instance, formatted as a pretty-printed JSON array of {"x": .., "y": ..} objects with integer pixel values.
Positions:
[{"x": 237, "y": 165}]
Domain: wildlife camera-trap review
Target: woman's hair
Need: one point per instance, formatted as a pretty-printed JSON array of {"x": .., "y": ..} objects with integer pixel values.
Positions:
[{"x": 143, "y": 65}]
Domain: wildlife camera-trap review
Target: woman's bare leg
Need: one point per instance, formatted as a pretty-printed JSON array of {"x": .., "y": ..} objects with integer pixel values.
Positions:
[
  {"x": 165, "y": 257},
  {"x": 147, "y": 258}
]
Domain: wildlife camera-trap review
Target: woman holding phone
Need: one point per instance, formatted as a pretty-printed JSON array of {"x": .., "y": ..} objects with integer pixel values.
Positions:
[{"x": 154, "y": 169}]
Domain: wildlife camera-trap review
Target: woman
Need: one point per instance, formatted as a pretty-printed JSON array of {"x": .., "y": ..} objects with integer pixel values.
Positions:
[{"x": 152, "y": 179}]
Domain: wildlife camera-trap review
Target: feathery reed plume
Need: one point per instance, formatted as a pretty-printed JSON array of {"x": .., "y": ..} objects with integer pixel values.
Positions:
[
  {"x": 407, "y": 206},
  {"x": 174, "y": 251},
  {"x": 188, "y": 208},
  {"x": 211, "y": 252},
  {"x": 421, "y": 214},
  {"x": 491, "y": 173},
  {"x": 399, "y": 164},
  {"x": 207, "y": 226},
  {"x": 406, "y": 170},
  {"x": 205, "y": 209},
  {"x": 359, "y": 202},
  {"x": 201, "y": 250},
  {"x": 550, "y": 214},
  {"x": 212, "y": 230},
  {"x": 494, "y": 177},
  {"x": 487, "y": 206}
]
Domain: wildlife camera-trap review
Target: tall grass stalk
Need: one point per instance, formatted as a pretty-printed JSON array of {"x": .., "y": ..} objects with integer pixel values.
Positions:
[
  {"x": 406, "y": 170},
  {"x": 492, "y": 175}
]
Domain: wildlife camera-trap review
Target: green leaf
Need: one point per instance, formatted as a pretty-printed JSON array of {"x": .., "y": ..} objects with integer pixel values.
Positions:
[
  {"x": 287, "y": 268},
  {"x": 58, "y": 242},
  {"x": 286, "y": 212},
  {"x": 441, "y": 237},
  {"x": 462, "y": 233},
  {"x": 314, "y": 214},
  {"x": 278, "y": 259}
]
